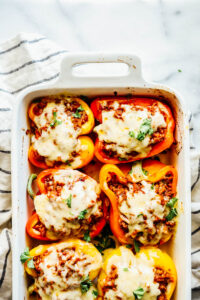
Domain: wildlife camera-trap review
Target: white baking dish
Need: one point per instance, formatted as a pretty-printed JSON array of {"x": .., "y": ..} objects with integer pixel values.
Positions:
[{"x": 132, "y": 82}]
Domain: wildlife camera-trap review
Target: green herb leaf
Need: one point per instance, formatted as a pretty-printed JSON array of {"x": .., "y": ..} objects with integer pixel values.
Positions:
[
  {"x": 87, "y": 237},
  {"x": 25, "y": 255},
  {"x": 139, "y": 293},
  {"x": 85, "y": 285},
  {"x": 145, "y": 129},
  {"x": 136, "y": 246},
  {"x": 104, "y": 240},
  {"x": 131, "y": 134},
  {"x": 129, "y": 246},
  {"x": 139, "y": 215},
  {"x": 152, "y": 186},
  {"x": 77, "y": 114},
  {"x": 179, "y": 70},
  {"x": 145, "y": 172},
  {"x": 68, "y": 162},
  {"x": 69, "y": 201},
  {"x": 172, "y": 202},
  {"x": 122, "y": 159},
  {"x": 82, "y": 214},
  {"x": 95, "y": 293},
  {"x": 80, "y": 108},
  {"x": 125, "y": 269},
  {"x": 30, "y": 191},
  {"x": 30, "y": 264},
  {"x": 173, "y": 213},
  {"x": 55, "y": 122}
]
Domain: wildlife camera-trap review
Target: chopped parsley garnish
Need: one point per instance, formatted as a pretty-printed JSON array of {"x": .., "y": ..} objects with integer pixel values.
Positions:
[
  {"x": 77, "y": 113},
  {"x": 85, "y": 285},
  {"x": 179, "y": 70},
  {"x": 131, "y": 171},
  {"x": 87, "y": 237},
  {"x": 131, "y": 134},
  {"x": 26, "y": 256},
  {"x": 129, "y": 246},
  {"x": 152, "y": 186},
  {"x": 122, "y": 158},
  {"x": 136, "y": 246},
  {"x": 172, "y": 202},
  {"x": 145, "y": 129},
  {"x": 139, "y": 215},
  {"x": 125, "y": 269},
  {"x": 55, "y": 121},
  {"x": 173, "y": 213},
  {"x": 68, "y": 162},
  {"x": 95, "y": 293},
  {"x": 145, "y": 172},
  {"x": 69, "y": 201},
  {"x": 139, "y": 293},
  {"x": 82, "y": 214},
  {"x": 104, "y": 240}
]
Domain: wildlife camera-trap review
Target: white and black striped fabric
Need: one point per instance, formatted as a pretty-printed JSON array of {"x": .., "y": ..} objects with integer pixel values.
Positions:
[{"x": 29, "y": 60}]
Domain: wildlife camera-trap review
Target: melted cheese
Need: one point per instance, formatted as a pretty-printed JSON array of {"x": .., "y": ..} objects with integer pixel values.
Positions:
[
  {"x": 53, "y": 211},
  {"x": 140, "y": 274},
  {"x": 58, "y": 142},
  {"x": 145, "y": 202},
  {"x": 62, "y": 281},
  {"x": 116, "y": 131}
]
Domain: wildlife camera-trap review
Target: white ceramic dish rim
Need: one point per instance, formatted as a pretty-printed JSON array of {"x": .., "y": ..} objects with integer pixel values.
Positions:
[{"x": 133, "y": 80}]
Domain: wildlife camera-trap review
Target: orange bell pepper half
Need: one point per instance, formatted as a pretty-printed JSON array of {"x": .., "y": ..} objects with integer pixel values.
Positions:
[
  {"x": 37, "y": 230},
  {"x": 156, "y": 171},
  {"x": 139, "y": 102},
  {"x": 86, "y": 155}
]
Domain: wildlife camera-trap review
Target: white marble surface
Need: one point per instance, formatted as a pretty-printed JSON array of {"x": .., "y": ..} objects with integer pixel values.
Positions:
[{"x": 164, "y": 33}]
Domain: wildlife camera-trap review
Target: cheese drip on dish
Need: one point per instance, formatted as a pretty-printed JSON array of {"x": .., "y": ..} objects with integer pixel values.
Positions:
[
  {"x": 61, "y": 270},
  {"x": 71, "y": 204},
  {"x": 121, "y": 128},
  {"x": 126, "y": 273},
  {"x": 58, "y": 135}
]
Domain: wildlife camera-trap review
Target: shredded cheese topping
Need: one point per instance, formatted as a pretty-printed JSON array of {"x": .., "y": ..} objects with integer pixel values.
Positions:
[
  {"x": 58, "y": 136},
  {"x": 78, "y": 199},
  {"x": 61, "y": 270},
  {"x": 141, "y": 209},
  {"x": 121, "y": 134},
  {"x": 132, "y": 273}
]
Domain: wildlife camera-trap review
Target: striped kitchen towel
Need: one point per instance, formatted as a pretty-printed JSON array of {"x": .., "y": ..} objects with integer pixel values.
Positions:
[{"x": 29, "y": 60}]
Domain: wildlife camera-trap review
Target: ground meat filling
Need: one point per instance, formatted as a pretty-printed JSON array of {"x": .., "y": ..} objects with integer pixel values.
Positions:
[
  {"x": 143, "y": 208},
  {"x": 134, "y": 144},
  {"x": 58, "y": 123},
  {"x": 163, "y": 278},
  {"x": 110, "y": 283},
  {"x": 60, "y": 270},
  {"x": 61, "y": 215}
]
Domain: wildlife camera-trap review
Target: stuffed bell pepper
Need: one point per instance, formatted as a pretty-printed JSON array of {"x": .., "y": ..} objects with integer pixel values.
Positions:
[
  {"x": 143, "y": 201},
  {"x": 58, "y": 124},
  {"x": 131, "y": 129},
  {"x": 64, "y": 270},
  {"x": 69, "y": 203},
  {"x": 148, "y": 275}
]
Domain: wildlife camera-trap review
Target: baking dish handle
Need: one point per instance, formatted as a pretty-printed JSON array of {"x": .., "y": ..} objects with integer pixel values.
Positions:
[{"x": 68, "y": 78}]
